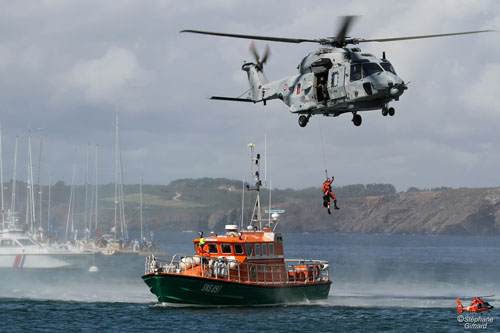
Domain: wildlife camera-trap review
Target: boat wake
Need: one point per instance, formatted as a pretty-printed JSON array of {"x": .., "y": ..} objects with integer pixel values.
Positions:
[
  {"x": 404, "y": 296},
  {"x": 73, "y": 288}
]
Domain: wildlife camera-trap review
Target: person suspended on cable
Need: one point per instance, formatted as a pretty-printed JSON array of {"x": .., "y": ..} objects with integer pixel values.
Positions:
[{"x": 327, "y": 194}]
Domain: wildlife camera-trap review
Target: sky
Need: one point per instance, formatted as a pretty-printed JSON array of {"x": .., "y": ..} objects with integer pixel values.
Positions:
[{"x": 67, "y": 67}]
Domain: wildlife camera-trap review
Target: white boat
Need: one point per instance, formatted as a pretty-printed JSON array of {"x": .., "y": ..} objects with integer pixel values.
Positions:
[{"x": 19, "y": 251}]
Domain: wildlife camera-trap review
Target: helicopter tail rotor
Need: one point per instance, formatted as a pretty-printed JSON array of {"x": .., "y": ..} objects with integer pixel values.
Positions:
[{"x": 255, "y": 53}]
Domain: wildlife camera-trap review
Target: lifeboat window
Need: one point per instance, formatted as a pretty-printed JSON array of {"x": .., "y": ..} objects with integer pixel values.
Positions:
[
  {"x": 7, "y": 242},
  {"x": 226, "y": 248},
  {"x": 257, "y": 249},
  {"x": 212, "y": 248},
  {"x": 238, "y": 249},
  {"x": 249, "y": 249},
  {"x": 271, "y": 249},
  {"x": 26, "y": 242},
  {"x": 264, "y": 249}
]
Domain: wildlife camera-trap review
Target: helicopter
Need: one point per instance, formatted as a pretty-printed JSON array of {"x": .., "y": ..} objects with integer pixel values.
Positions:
[
  {"x": 478, "y": 305},
  {"x": 332, "y": 80}
]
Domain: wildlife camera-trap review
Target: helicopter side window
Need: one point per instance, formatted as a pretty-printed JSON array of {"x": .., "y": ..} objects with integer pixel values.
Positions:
[
  {"x": 355, "y": 72},
  {"x": 387, "y": 66},
  {"x": 370, "y": 68}
]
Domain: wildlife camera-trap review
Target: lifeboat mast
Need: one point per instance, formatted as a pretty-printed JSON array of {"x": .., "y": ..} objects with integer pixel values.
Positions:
[{"x": 256, "y": 221}]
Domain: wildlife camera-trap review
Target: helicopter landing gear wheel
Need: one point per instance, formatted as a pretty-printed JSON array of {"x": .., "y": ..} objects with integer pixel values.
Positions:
[
  {"x": 391, "y": 111},
  {"x": 303, "y": 120},
  {"x": 385, "y": 111},
  {"x": 356, "y": 119}
]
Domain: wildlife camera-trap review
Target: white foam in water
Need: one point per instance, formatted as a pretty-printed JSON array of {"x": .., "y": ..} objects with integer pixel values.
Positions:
[
  {"x": 74, "y": 286},
  {"x": 424, "y": 295}
]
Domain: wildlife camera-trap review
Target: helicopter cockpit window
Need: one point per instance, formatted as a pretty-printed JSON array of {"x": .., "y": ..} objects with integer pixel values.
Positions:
[
  {"x": 355, "y": 72},
  {"x": 387, "y": 66},
  {"x": 370, "y": 68}
]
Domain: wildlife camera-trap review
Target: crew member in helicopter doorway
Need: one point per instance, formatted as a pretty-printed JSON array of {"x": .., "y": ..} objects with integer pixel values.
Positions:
[{"x": 327, "y": 194}]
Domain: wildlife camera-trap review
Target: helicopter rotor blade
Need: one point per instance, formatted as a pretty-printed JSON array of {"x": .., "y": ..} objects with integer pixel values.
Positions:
[
  {"x": 344, "y": 28},
  {"x": 421, "y": 37},
  {"x": 267, "y": 54},
  {"x": 269, "y": 38},
  {"x": 254, "y": 52}
]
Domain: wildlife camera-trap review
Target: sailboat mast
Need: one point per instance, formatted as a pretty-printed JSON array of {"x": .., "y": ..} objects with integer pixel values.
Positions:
[
  {"x": 48, "y": 206},
  {"x": 140, "y": 191},
  {"x": 32, "y": 190},
  {"x": 123, "y": 224},
  {"x": 70, "y": 206},
  {"x": 85, "y": 215},
  {"x": 39, "y": 175},
  {"x": 119, "y": 186},
  {"x": 13, "y": 198},
  {"x": 96, "y": 185},
  {"x": 116, "y": 174},
  {"x": 1, "y": 180}
]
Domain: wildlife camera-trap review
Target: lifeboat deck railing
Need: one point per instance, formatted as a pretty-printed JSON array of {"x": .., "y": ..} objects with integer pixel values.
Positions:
[{"x": 292, "y": 271}]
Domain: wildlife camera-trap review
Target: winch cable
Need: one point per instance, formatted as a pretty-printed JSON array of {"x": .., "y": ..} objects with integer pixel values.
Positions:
[{"x": 323, "y": 148}]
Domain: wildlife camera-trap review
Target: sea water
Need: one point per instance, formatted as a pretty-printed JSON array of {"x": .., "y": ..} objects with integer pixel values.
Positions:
[{"x": 391, "y": 283}]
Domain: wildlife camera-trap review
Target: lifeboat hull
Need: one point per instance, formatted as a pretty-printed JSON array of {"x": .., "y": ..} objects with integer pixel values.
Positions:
[{"x": 182, "y": 289}]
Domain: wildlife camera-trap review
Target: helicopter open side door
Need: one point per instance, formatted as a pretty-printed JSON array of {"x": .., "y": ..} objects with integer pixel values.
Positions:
[{"x": 337, "y": 81}]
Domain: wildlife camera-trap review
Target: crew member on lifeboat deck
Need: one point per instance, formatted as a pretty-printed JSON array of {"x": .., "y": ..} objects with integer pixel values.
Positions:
[
  {"x": 203, "y": 248},
  {"x": 327, "y": 194},
  {"x": 204, "y": 252}
]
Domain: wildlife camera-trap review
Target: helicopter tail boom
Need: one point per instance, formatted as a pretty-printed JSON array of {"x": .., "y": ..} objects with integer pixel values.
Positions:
[{"x": 254, "y": 80}]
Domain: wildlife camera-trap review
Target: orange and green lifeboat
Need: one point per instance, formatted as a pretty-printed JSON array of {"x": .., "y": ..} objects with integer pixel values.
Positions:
[{"x": 240, "y": 268}]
